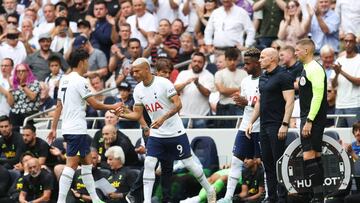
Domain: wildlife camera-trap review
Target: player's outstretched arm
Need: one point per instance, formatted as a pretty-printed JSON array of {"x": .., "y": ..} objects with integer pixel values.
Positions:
[
  {"x": 100, "y": 106},
  {"x": 52, "y": 134}
]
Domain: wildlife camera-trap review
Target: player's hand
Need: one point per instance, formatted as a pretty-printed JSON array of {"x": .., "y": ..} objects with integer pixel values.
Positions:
[
  {"x": 248, "y": 130},
  {"x": 140, "y": 150},
  {"x": 282, "y": 132},
  {"x": 51, "y": 136},
  {"x": 239, "y": 100},
  {"x": 306, "y": 130},
  {"x": 156, "y": 124}
]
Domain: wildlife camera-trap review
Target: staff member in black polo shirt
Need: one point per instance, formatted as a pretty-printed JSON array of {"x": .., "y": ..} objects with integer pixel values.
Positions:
[
  {"x": 313, "y": 108},
  {"x": 274, "y": 108}
]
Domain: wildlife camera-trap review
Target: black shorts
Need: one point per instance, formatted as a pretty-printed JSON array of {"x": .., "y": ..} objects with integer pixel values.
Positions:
[{"x": 314, "y": 141}]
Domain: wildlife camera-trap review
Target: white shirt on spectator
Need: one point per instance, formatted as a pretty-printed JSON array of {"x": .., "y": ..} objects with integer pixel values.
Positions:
[
  {"x": 230, "y": 80},
  {"x": 348, "y": 94},
  {"x": 164, "y": 11},
  {"x": 228, "y": 28},
  {"x": 4, "y": 105},
  {"x": 17, "y": 54},
  {"x": 147, "y": 22},
  {"x": 43, "y": 28},
  {"x": 349, "y": 13},
  {"x": 193, "y": 102},
  {"x": 192, "y": 16}
]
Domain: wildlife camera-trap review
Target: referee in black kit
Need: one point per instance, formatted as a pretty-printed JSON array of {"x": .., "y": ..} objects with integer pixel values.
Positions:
[
  {"x": 274, "y": 107},
  {"x": 313, "y": 107}
]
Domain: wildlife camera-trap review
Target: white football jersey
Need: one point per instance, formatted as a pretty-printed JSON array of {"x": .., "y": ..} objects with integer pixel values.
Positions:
[
  {"x": 155, "y": 98},
  {"x": 73, "y": 92},
  {"x": 250, "y": 90}
]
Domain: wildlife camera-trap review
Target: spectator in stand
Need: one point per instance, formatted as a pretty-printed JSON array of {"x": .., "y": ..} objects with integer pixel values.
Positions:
[
  {"x": 112, "y": 6},
  {"x": 204, "y": 14},
  {"x": 331, "y": 98},
  {"x": 78, "y": 10},
  {"x": 164, "y": 68},
  {"x": 79, "y": 194},
  {"x": 292, "y": 28},
  {"x": 143, "y": 24},
  {"x": 62, "y": 10},
  {"x": 126, "y": 11},
  {"x": 166, "y": 9},
  {"x": 38, "y": 61},
  {"x": 188, "y": 10},
  {"x": 122, "y": 70},
  {"x": 37, "y": 146},
  {"x": 272, "y": 14},
  {"x": 122, "y": 178},
  {"x": 226, "y": 28},
  {"x": 163, "y": 44},
  {"x": 5, "y": 85},
  {"x": 323, "y": 25},
  {"x": 11, "y": 143},
  {"x": 97, "y": 60},
  {"x": 12, "y": 19},
  {"x": 177, "y": 27},
  {"x": 10, "y": 6},
  {"x": 31, "y": 14},
  {"x": 119, "y": 50},
  {"x": 327, "y": 56},
  {"x": 61, "y": 36},
  {"x": 349, "y": 13},
  {"x": 347, "y": 82},
  {"x": 49, "y": 24},
  {"x": 27, "y": 38},
  {"x": 110, "y": 136},
  {"x": 186, "y": 49},
  {"x": 84, "y": 28},
  {"x": 194, "y": 86},
  {"x": 55, "y": 75},
  {"x": 38, "y": 185},
  {"x": 102, "y": 28},
  {"x": 46, "y": 102},
  {"x": 25, "y": 95},
  {"x": 228, "y": 82},
  {"x": 12, "y": 47}
]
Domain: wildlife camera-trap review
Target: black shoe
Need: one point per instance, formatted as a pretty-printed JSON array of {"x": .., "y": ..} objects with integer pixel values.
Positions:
[
  {"x": 129, "y": 198},
  {"x": 267, "y": 200},
  {"x": 317, "y": 200}
]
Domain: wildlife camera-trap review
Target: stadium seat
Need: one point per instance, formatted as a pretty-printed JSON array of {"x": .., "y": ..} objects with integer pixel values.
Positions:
[
  {"x": 58, "y": 143},
  {"x": 204, "y": 148},
  {"x": 332, "y": 134},
  {"x": 290, "y": 137}
]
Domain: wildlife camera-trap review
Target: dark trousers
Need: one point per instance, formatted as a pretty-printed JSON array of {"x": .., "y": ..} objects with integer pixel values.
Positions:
[
  {"x": 271, "y": 150},
  {"x": 228, "y": 110},
  {"x": 264, "y": 42}
]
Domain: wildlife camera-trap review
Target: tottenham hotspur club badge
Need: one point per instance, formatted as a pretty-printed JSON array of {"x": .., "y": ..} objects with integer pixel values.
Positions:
[{"x": 302, "y": 81}]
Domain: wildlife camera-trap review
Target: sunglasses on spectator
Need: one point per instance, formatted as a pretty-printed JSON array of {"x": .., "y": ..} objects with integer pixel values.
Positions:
[
  {"x": 12, "y": 35},
  {"x": 12, "y": 22}
]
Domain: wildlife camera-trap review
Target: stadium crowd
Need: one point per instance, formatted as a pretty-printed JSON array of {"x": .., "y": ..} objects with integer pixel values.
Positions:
[{"x": 199, "y": 45}]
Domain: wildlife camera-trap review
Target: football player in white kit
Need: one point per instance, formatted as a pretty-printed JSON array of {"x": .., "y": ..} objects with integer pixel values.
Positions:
[
  {"x": 167, "y": 139},
  {"x": 245, "y": 146},
  {"x": 72, "y": 97}
]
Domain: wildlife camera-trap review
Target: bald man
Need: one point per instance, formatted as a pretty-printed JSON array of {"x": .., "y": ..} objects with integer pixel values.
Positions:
[
  {"x": 168, "y": 139},
  {"x": 37, "y": 186},
  {"x": 313, "y": 110},
  {"x": 275, "y": 107}
]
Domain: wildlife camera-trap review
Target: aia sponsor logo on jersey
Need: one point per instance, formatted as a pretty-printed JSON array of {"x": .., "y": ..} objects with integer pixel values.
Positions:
[{"x": 153, "y": 107}]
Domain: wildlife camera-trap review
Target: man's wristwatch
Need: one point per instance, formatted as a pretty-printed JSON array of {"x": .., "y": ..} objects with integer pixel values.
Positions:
[
  {"x": 309, "y": 120},
  {"x": 161, "y": 46},
  {"x": 286, "y": 124}
]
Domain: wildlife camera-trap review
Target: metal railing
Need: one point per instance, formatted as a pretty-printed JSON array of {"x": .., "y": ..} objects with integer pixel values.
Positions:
[{"x": 96, "y": 120}]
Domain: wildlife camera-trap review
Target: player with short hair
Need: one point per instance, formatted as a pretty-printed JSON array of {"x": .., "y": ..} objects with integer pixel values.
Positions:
[
  {"x": 167, "y": 139},
  {"x": 73, "y": 96}
]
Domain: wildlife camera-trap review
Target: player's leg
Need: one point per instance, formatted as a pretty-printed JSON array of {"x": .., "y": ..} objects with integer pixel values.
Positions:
[
  {"x": 72, "y": 161},
  {"x": 86, "y": 167},
  {"x": 180, "y": 148},
  {"x": 313, "y": 167}
]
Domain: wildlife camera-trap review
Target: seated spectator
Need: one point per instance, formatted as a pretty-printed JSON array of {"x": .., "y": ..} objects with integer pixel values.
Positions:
[
  {"x": 61, "y": 35},
  {"x": 177, "y": 27},
  {"x": 38, "y": 61},
  {"x": 11, "y": 143},
  {"x": 292, "y": 28},
  {"x": 122, "y": 178},
  {"x": 186, "y": 49},
  {"x": 38, "y": 185},
  {"x": 113, "y": 137},
  {"x": 12, "y": 47},
  {"x": 78, "y": 192},
  {"x": 25, "y": 95},
  {"x": 55, "y": 75}
]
